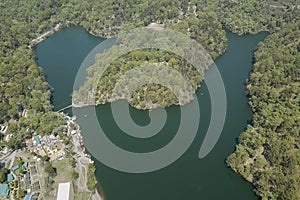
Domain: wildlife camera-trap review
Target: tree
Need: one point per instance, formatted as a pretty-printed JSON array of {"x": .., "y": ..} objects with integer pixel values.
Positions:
[
  {"x": 73, "y": 163},
  {"x": 3, "y": 173},
  {"x": 75, "y": 175},
  {"x": 50, "y": 169},
  {"x": 21, "y": 193}
]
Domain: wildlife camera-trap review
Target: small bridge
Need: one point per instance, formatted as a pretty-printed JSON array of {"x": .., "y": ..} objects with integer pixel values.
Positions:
[{"x": 62, "y": 109}]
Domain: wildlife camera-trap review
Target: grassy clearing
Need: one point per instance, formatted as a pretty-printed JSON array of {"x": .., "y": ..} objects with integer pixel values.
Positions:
[
  {"x": 82, "y": 195},
  {"x": 64, "y": 171}
]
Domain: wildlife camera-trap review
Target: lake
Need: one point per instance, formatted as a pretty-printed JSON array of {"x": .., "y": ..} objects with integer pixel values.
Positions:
[{"x": 189, "y": 177}]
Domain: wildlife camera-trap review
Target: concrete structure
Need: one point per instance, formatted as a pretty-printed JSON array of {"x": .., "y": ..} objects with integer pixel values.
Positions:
[{"x": 64, "y": 192}]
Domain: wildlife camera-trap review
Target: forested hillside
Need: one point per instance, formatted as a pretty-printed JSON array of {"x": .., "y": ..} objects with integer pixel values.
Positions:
[
  {"x": 23, "y": 85},
  {"x": 24, "y": 91},
  {"x": 201, "y": 26},
  {"x": 252, "y": 16},
  {"x": 268, "y": 151}
]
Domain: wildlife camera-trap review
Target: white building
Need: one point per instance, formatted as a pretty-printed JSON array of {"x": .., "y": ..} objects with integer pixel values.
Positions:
[
  {"x": 64, "y": 192},
  {"x": 3, "y": 129}
]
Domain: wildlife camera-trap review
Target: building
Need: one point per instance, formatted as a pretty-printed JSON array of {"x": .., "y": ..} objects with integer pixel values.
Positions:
[
  {"x": 25, "y": 164},
  {"x": 41, "y": 152},
  {"x": 10, "y": 177},
  {"x": 64, "y": 192},
  {"x": 56, "y": 155},
  {"x": 47, "y": 139},
  {"x": 153, "y": 24},
  {"x": 36, "y": 186},
  {"x": 3, "y": 129},
  {"x": 28, "y": 197},
  {"x": 7, "y": 137},
  {"x": 29, "y": 143},
  {"x": 37, "y": 140},
  {"x": 4, "y": 190},
  {"x": 27, "y": 181},
  {"x": 15, "y": 168}
]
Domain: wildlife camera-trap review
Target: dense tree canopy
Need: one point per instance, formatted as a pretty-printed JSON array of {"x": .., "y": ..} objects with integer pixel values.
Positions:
[
  {"x": 253, "y": 16},
  {"x": 268, "y": 153},
  {"x": 201, "y": 26}
]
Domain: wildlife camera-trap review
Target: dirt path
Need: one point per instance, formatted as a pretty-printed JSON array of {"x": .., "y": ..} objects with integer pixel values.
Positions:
[{"x": 82, "y": 180}]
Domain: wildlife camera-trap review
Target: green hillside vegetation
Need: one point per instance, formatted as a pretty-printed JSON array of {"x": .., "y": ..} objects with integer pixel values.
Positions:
[
  {"x": 252, "y": 16},
  {"x": 155, "y": 94},
  {"x": 148, "y": 95},
  {"x": 21, "y": 22},
  {"x": 205, "y": 28},
  {"x": 255, "y": 16},
  {"x": 268, "y": 153}
]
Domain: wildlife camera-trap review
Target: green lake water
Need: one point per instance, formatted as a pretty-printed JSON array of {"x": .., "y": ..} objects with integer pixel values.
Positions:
[{"x": 189, "y": 177}]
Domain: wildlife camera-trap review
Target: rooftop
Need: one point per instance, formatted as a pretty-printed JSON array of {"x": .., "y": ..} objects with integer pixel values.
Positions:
[
  {"x": 4, "y": 190},
  {"x": 28, "y": 197},
  {"x": 25, "y": 164},
  {"x": 14, "y": 168},
  {"x": 42, "y": 152},
  {"x": 37, "y": 139},
  {"x": 10, "y": 177},
  {"x": 63, "y": 191},
  {"x": 57, "y": 154}
]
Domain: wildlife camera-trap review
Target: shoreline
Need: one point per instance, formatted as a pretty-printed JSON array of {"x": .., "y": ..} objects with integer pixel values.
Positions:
[
  {"x": 148, "y": 106},
  {"x": 83, "y": 159},
  {"x": 59, "y": 27},
  {"x": 45, "y": 35},
  {"x": 98, "y": 195}
]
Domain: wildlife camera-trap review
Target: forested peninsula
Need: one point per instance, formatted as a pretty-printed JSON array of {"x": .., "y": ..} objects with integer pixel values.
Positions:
[
  {"x": 201, "y": 26},
  {"x": 267, "y": 153}
]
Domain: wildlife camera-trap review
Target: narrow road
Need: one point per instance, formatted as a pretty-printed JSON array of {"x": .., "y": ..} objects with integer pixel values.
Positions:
[
  {"x": 13, "y": 157},
  {"x": 82, "y": 163},
  {"x": 6, "y": 157},
  {"x": 82, "y": 180}
]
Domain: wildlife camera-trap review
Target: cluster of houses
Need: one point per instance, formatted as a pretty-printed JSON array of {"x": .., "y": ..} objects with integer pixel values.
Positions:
[
  {"x": 11, "y": 186},
  {"x": 50, "y": 146}
]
